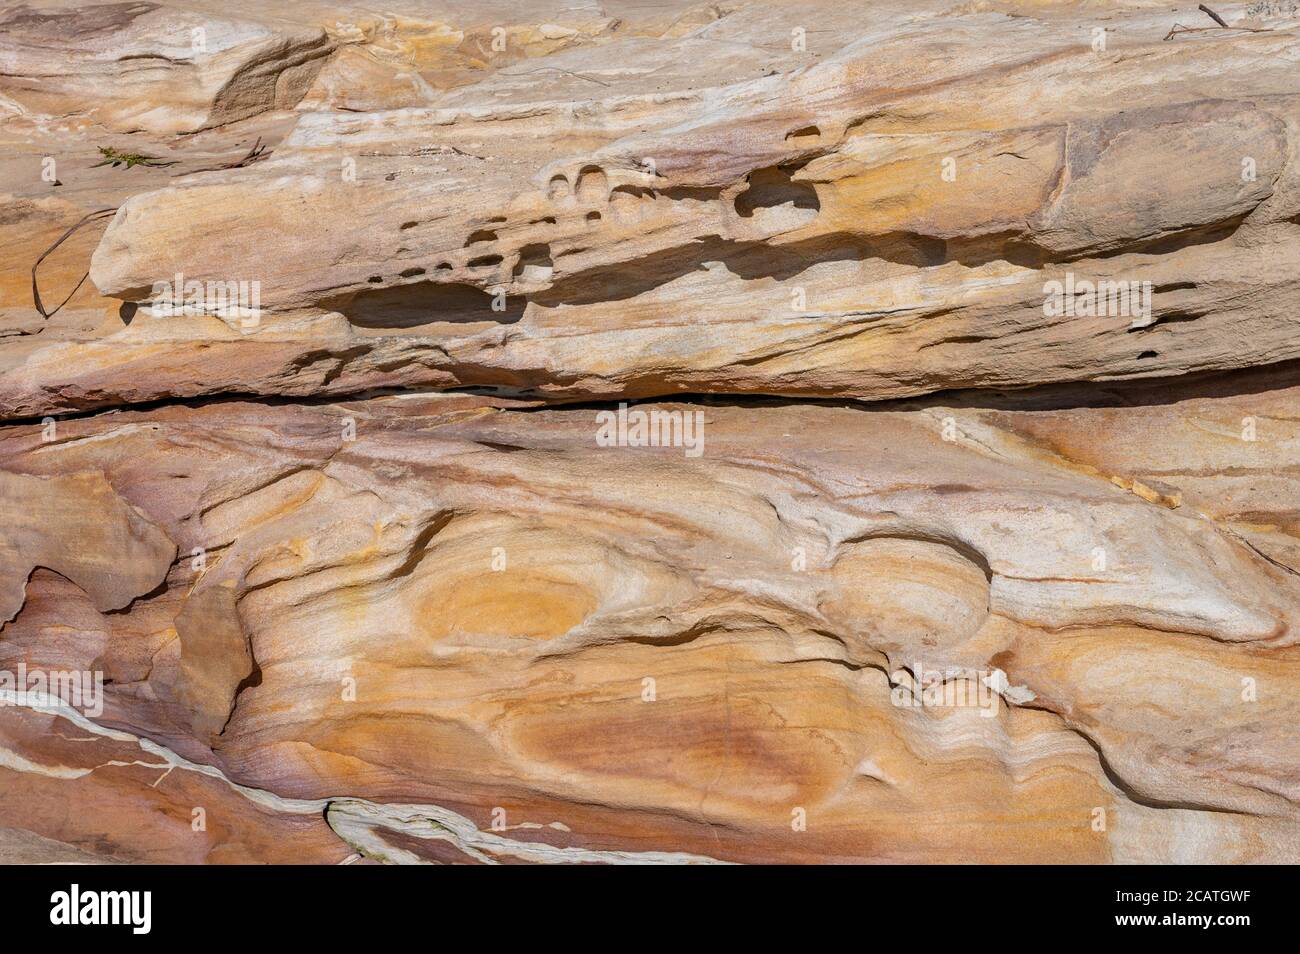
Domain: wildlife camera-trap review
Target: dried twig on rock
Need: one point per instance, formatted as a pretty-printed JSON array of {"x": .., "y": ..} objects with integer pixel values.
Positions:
[
  {"x": 1213, "y": 16},
  {"x": 255, "y": 154},
  {"x": 1178, "y": 28}
]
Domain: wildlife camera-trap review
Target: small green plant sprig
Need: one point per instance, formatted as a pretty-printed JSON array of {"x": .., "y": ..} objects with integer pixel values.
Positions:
[{"x": 116, "y": 158}]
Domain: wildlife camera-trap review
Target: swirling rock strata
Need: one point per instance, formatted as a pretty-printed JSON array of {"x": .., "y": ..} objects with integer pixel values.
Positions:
[{"x": 922, "y": 570}]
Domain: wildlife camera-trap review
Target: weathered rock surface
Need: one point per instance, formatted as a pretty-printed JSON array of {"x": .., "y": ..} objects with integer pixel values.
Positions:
[
  {"x": 140, "y": 66},
  {"x": 779, "y": 591},
  {"x": 877, "y": 221},
  {"x": 928, "y": 571}
]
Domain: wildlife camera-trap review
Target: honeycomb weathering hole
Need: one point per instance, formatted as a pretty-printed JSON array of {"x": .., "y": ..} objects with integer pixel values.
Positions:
[
  {"x": 773, "y": 189},
  {"x": 464, "y": 590},
  {"x": 898, "y": 594},
  {"x": 535, "y": 263},
  {"x": 527, "y": 602},
  {"x": 593, "y": 185},
  {"x": 558, "y": 188},
  {"x": 385, "y": 310}
]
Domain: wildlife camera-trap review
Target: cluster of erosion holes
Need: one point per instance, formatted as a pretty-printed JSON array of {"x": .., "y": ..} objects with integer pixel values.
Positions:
[
  {"x": 532, "y": 264},
  {"x": 428, "y": 302},
  {"x": 765, "y": 188}
]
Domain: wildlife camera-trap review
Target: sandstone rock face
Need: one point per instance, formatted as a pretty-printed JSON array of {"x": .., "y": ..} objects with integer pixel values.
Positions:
[
  {"x": 139, "y": 66},
  {"x": 649, "y": 433}
]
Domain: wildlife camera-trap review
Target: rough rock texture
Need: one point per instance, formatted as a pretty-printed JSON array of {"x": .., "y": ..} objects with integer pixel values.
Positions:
[
  {"x": 927, "y": 571},
  {"x": 139, "y": 66}
]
